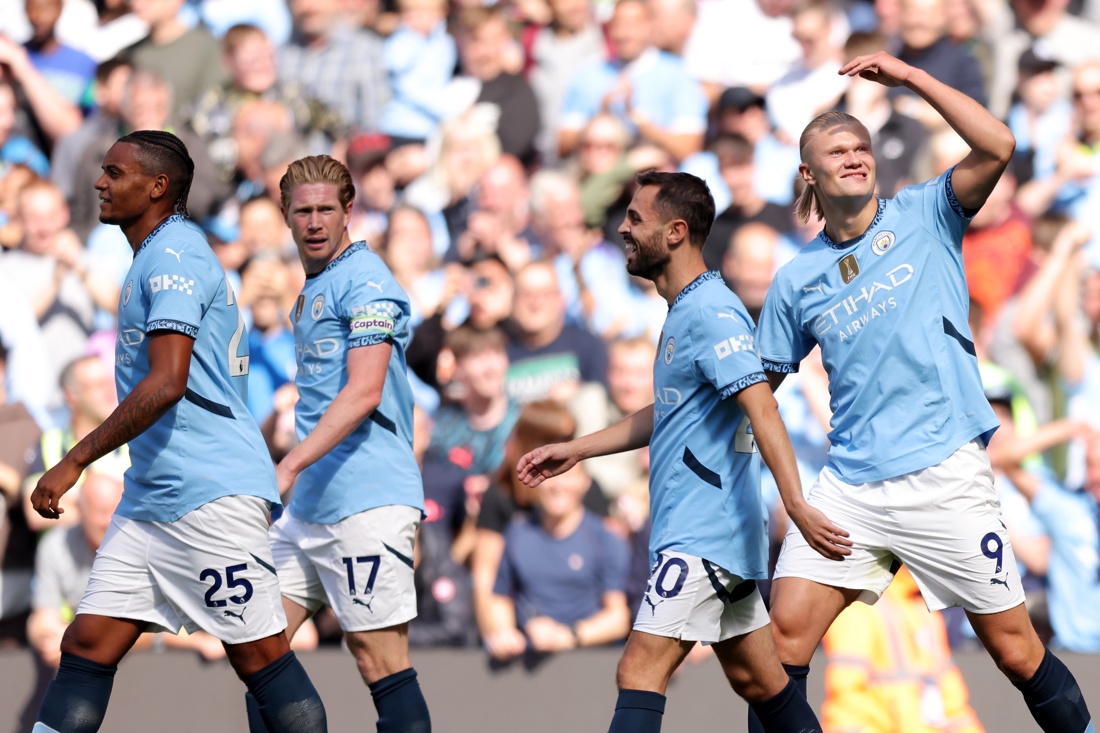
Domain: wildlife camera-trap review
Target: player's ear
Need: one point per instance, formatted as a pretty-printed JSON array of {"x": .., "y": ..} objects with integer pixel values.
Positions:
[
  {"x": 159, "y": 186},
  {"x": 677, "y": 232},
  {"x": 807, "y": 175}
]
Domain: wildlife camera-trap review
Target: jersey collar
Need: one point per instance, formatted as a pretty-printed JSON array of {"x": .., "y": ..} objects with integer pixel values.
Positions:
[
  {"x": 848, "y": 243},
  {"x": 705, "y": 277},
  {"x": 352, "y": 249},
  {"x": 170, "y": 220}
]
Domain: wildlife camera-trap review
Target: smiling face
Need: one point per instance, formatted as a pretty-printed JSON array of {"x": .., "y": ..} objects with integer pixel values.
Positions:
[
  {"x": 318, "y": 223},
  {"x": 839, "y": 164},
  {"x": 643, "y": 233}
]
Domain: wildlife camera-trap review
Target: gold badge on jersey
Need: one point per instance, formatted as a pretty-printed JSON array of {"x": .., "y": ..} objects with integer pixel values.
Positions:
[
  {"x": 849, "y": 268},
  {"x": 301, "y": 306}
]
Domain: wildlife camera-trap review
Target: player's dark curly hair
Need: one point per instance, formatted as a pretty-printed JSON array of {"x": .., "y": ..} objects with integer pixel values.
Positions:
[
  {"x": 682, "y": 196},
  {"x": 163, "y": 153}
]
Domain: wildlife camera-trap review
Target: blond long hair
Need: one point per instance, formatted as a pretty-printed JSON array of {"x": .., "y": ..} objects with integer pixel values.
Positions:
[{"x": 807, "y": 200}]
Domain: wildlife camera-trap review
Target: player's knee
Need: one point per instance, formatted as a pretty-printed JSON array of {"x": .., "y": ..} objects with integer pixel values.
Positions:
[
  {"x": 77, "y": 642},
  {"x": 745, "y": 684},
  {"x": 1018, "y": 661}
]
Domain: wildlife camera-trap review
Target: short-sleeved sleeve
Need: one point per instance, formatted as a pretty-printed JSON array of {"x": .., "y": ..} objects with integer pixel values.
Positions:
[
  {"x": 940, "y": 210},
  {"x": 780, "y": 341},
  {"x": 374, "y": 311},
  {"x": 179, "y": 288},
  {"x": 725, "y": 349}
]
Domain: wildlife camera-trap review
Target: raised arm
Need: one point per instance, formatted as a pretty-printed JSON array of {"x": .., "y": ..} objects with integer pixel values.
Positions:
[
  {"x": 633, "y": 431},
  {"x": 991, "y": 142},
  {"x": 163, "y": 387}
]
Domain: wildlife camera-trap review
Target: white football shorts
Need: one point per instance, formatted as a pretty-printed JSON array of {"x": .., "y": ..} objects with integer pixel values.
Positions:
[
  {"x": 942, "y": 522},
  {"x": 693, "y": 599},
  {"x": 211, "y": 569},
  {"x": 362, "y": 565}
]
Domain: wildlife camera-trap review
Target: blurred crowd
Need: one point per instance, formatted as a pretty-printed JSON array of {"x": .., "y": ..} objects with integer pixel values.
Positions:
[{"x": 494, "y": 148}]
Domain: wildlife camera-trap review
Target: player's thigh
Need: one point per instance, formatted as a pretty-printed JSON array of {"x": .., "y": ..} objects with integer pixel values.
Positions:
[
  {"x": 366, "y": 567},
  {"x": 751, "y": 664},
  {"x": 299, "y": 580},
  {"x": 214, "y": 565},
  {"x": 801, "y": 612},
  {"x": 951, "y": 536},
  {"x": 380, "y": 652},
  {"x": 861, "y": 511},
  {"x": 649, "y": 660}
]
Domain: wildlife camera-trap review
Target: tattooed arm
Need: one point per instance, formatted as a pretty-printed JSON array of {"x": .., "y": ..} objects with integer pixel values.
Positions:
[{"x": 164, "y": 386}]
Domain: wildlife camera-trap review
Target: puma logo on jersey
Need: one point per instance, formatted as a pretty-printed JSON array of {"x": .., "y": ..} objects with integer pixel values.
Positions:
[
  {"x": 820, "y": 287},
  {"x": 227, "y": 613},
  {"x": 171, "y": 251},
  {"x": 998, "y": 581},
  {"x": 651, "y": 604},
  {"x": 358, "y": 602},
  {"x": 372, "y": 284},
  {"x": 731, "y": 315}
]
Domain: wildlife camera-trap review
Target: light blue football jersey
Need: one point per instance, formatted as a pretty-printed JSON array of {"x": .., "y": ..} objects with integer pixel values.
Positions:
[
  {"x": 207, "y": 445},
  {"x": 354, "y": 302},
  {"x": 704, "y": 484},
  {"x": 889, "y": 309}
]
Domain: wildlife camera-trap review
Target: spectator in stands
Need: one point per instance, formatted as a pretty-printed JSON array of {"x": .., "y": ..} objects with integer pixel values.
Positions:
[
  {"x": 44, "y": 115},
  {"x": 673, "y": 23},
  {"x": 550, "y": 358},
  {"x": 741, "y": 111},
  {"x": 591, "y": 271},
  {"x": 24, "y": 348},
  {"x": 1072, "y": 521},
  {"x": 556, "y": 52},
  {"x": 469, "y": 432},
  {"x": 500, "y": 225},
  {"x": 340, "y": 65},
  {"x": 375, "y": 187},
  {"x": 812, "y": 85},
  {"x": 64, "y": 68},
  {"x": 1041, "y": 116},
  {"x": 562, "y": 579},
  {"x": 18, "y": 434},
  {"x": 925, "y": 46},
  {"x": 16, "y": 149},
  {"x": 1012, "y": 28},
  {"x": 249, "y": 59},
  {"x": 629, "y": 389},
  {"x": 146, "y": 105},
  {"x": 264, "y": 285},
  {"x": 254, "y": 125},
  {"x": 47, "y": 271},
  {"x": 898, "y": 140},
  {"x": 444, "y": 598},
  {"x": 648, "y": 89},
  {"x": 750, "y": 262},
  {"x": 89, "y": 387},
  {"x": 108, "y": 87},
  {"x": 420, "y": 59},
  {"x": 103, "y": 33},
  {"x": 407, "y": 250},
  {"x": 889, "y": 668},
  {"x": 187, "y": 58},
  {"x": 737, "y": 165},
  {"x": 484, "y": 42}
]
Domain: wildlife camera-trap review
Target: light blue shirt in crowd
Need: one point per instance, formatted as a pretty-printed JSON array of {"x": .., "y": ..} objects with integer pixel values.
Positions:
[{"x": 419, "y": 69}]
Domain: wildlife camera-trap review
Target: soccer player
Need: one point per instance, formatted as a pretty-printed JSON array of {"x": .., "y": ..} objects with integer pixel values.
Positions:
[
  {"x": 881, "y": 290},
  {"x": 188, "y": 546},
  {"x": 347, "y": 536},
  {"x": 713, "y": 409}
]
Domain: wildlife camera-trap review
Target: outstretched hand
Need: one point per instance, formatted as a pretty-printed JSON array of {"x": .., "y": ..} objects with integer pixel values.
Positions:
[
  {"x": 825, "y": 537},
  {"x": 545, "y": 462},
  {"x": 879, "y": 67}
]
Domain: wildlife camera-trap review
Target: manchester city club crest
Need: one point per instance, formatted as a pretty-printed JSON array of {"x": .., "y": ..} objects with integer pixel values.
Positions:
[
  {"x": 299, "y": 307},
  {"x": 849, "y": 268},
  {"x": 126, "y": 293},
  {"x": 670, "y": 349},
  {"x": 882, "y": 242},
  {"x": 318, "y": 307}
]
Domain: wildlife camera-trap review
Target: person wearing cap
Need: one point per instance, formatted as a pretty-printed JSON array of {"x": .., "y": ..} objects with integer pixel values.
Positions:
[{"x": 1042, "y": 115}]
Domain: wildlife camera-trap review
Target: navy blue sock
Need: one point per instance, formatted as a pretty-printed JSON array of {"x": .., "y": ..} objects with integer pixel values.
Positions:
[
  {"x": 798, "y": 673},
  {"x": 400, "y": 704},
  {"x": 787, "y": 712},
  {"x": 76, "y": 700},
  {"x": 1054, "y": 699},
  {"x": 256, "y": 722},
  {"x": 287, "y": 700},
  {"x": 638, "y": 711}
]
